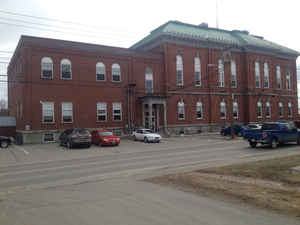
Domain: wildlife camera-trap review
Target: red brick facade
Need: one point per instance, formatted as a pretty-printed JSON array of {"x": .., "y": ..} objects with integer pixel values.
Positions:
[{"x": 27, "y": 89}]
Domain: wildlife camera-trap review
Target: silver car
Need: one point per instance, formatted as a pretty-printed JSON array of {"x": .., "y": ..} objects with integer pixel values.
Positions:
[{"x": 146, "y": 135}]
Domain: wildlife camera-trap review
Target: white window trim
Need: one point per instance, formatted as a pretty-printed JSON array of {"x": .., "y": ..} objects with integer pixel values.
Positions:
[
  {"x": 99, "y": 114},
  {"x": 97, "y": 65},
  {"x": 223, "y": 104},
  {"x": 198, "y": 61},
  {"x": 199, "y": 104},
  {"x": 233, "y": 106},
  {"x": 114, "y": 81},
  {"x": 266, "y": 71},
  {"x": 62, "y": 112},
  {"x": 52, "y": 75},
  {"x": 280, "y": 105},
  {"x": 152, "y": 83},
  {"x": 221, "y": 74},
  {"x": 180, "y": 104},
  {"x": 257, "y": 74},
  {"x": 179, "y": 67},
  {"x": 290, "y": 106},
  {"x": 259, "y": 105},
  {"x": 61, "y": 63},
  {"x": 268, "y": 104},
  {"x": 233, "y": 73},
  {"x": 53, "y": 114},
  {"x": 121, "y": 117},
  {"x": 278, "y": 77}
]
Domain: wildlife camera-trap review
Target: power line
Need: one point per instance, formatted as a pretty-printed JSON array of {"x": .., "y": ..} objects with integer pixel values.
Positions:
[
  {"x": 54, "y": 20},
  {"x": 51, "y": 30},
  {"x": 48, "y": 25}
]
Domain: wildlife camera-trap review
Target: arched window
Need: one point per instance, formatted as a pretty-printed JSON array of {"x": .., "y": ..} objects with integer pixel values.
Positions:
[
  {"x": 278, "y": 76},
  {"x": 257, "y": 75},
  {"x": 197, "y": 70},
  {"x": 199, "y": 110},
  {"x": 66, "y": 69},
  {"x": 179, "y": 70},
  {"x": 268, "y": 110},
  {"x": 221, "y": 73},
  {"x": 180, "y": 107},
  {"x": 100, "y": 72},
  {"x": 149, "y": 80},
  {"x": 290, "y": 110},
  {"x": 235, "y": 110},
  {"x": 223, "y": 110},
  {"x": 288, "y": 79},
  {"x": 259, "y": 109},
  {"x": 233, "y": 74},
  {"x": 280, "y": 106},
  {"x": 116, "y": 72},
  {"x": 47, "y": 68},
  {"x": 266, "y": 75}
]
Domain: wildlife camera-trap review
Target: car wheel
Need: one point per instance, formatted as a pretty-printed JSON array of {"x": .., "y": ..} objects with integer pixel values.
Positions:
[
  {"x": 4, "y": 144},
  {"x": 239, "y": 134},
  {"x": 252, "y": 144},
  {"x": 69, "y": 145},
  {"x": 146, "y": 140},
  {"x": 88, "y": 145},
  {"x": 274, "y": 143}
]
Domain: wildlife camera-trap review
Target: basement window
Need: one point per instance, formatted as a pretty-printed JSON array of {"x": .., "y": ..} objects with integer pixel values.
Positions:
[{"x": 48, "y": 138}]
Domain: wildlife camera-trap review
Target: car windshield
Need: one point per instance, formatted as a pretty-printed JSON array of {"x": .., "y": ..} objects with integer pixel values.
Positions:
[
  {"x": 106, "y": 133},
  {"x": 148, "y": 131},
  {"x": 82, "y": 131}
]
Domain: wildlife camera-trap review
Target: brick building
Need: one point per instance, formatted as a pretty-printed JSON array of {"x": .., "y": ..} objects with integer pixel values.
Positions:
[{"x": 179, "y": 77}]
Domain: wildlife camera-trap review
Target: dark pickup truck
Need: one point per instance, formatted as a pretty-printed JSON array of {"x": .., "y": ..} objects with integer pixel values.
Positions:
[{"x": 272, "y": 134}]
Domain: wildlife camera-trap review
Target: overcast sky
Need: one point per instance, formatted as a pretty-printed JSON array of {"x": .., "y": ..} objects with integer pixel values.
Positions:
[{"x": 122, "y": 23}]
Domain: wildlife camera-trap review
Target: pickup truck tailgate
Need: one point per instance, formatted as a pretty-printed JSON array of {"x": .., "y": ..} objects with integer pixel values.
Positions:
[{"x": 252, "y": 134}]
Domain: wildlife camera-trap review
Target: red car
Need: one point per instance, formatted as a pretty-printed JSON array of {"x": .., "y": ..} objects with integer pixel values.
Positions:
[{"x": 104, "y": 138}]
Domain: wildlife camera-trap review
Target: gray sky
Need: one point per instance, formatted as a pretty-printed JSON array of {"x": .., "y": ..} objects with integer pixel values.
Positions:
[{"x": 122, "y": 23}]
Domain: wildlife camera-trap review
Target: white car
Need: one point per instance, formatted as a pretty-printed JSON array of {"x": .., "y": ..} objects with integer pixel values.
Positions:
[{"x": 146, "y": 135}]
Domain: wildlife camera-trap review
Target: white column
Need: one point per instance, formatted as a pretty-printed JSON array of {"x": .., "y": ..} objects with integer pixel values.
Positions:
[
  {"x": 150, "y": 114},
  {"x": 143, "y": 114}
]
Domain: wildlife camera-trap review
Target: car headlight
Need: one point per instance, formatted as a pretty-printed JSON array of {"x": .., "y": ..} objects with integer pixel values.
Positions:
[{"x": 105, "y": 139}]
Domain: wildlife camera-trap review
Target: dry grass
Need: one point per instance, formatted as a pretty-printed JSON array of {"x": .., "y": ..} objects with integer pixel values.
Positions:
[
  {"x": 278, "y": 170},
  {"x": 285, "y": 200}
]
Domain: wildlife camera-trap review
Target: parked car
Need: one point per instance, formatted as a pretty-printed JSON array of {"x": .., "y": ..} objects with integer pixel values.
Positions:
[
  {"x": 146, "y": 135},
  {"x": 104, "y": 137},
  {"x": 272, "y": 134},
  {"x": 4, "y": 141},
  {"x": 75, "y": 137},
  {"x": 238, "y": 130}
]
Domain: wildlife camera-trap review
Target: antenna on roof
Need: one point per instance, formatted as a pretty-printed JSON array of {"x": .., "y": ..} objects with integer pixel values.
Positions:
[{"x": 217, "y": 15}]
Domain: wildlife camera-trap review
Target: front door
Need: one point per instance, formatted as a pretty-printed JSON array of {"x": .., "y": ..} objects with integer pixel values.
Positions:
[{"x": 151, "y": 121}]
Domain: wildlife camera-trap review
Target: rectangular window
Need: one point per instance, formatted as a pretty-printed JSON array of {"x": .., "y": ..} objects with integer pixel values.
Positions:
[
  {"x": 266, "y": 75},
  {"x": 233, "y": 74},
  {"x": 101, "y": 111},
  {"x": 179, "y": 77},
  {"x": 257, "y": 75},
  {"x": 199, "y": 111},
  {"x": 116, "y": 75},
  {"x": 48, "y": 137},
  {"x": 149, "y": 83},
  {"x": 221, "y": 73},
  {"x": 66, "y": 72},
  {"x": 278, "y": 76},
  {"x": 288, "y": 79},
  {"x": 47, "y": 70},
  {"x": 48, "y": 112},
  {"x": 117, "y": 111},
  {"x": 67, "y": 112}
]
